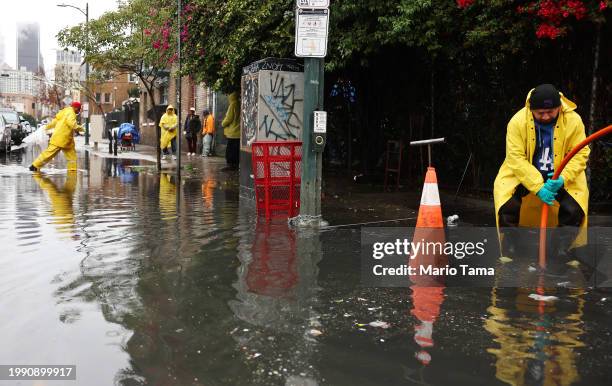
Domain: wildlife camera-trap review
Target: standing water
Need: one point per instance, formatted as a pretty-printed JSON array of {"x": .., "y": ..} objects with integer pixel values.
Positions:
[{"x": 140, "y": 279}]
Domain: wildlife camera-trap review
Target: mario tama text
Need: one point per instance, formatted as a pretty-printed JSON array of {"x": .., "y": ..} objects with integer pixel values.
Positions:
[{"x": 400, "y": 257}]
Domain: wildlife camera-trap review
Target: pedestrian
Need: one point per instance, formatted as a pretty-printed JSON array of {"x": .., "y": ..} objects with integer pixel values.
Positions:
[
  {"x": 195, "y": 127},
  {"x": 538, "y": 137},
  {"x": 186, "y": 131},
  {"x": 231, "y": 130},
  {"x": 64, "y": 126},
  {"x": 208, "y": 133},
  {"x": 168, "y": 124}
]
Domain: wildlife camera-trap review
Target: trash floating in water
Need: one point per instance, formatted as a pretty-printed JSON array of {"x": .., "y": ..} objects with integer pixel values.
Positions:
[
  {"x": 315, "y": 332},
  {"x": 573, "y": 263},
  {"x": 531, "y": 268},
  {"x": 543, "y": 298},
  {"x": 452, "y": 220},
  {"x": 505, "y": 259},
  {"x": 376, "y": 323},
  {"x": 374, "y": 308}
]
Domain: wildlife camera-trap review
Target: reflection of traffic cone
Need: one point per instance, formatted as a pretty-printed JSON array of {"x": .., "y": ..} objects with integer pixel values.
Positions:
[
  {"x": 430, "y": 211},
  {"x": 429, "y": 230}
]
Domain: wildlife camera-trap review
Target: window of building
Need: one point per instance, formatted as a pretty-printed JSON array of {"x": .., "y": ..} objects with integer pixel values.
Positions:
[
  {"x": 98, "y": 97},
  {"x": 107, "y": 97},
  {"x": 132, "y": 78},
  {"x": 163, "y": 95}
]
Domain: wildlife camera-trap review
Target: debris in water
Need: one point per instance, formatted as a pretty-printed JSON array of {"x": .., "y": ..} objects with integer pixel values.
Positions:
[
  {"x": 505, "y": 259},
  {"x": 452, "y": 220},
  {"x": 379, "y": 323},
  {"x": 374, "y": 308},
  {"x": 315, "y": 332},
  {"x": 543, "y": 298},
  {"x": 573, "y": 263},
  {"x": 531, "y": 268},
  {"x": 564, "y": 284}
]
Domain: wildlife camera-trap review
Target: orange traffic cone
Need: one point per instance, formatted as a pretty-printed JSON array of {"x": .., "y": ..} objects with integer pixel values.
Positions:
[{"x": 430, "y": 211}]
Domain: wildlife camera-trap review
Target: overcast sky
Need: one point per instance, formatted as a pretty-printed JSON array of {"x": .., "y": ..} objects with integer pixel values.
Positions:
[{"x": 51, "y": 19}]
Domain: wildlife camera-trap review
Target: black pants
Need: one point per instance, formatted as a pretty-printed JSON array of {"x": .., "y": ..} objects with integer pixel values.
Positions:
[
  {"x": 172, "y": 146},
  {"x": 570, "y": 218},
  {"x": 570, "y": 213},
  {"x": 192, "y": 144},
  {"x": 232, "y": 152}
]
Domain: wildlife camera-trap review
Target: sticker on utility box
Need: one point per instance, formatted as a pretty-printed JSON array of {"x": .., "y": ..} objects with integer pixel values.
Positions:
[{"x": 320, "y": 122}]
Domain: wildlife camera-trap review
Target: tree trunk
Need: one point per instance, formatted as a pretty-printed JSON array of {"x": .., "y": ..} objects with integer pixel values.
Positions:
[
  {"x": 149, "y": 88},
  {"x": 593, "y": 107}
]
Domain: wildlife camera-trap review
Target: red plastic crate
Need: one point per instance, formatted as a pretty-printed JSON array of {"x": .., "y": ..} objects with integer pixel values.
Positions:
[{"x": 277, "y": 170}]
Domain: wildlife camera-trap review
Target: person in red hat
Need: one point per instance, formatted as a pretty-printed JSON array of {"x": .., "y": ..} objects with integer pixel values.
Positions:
[{"x": 64, "y": 125}]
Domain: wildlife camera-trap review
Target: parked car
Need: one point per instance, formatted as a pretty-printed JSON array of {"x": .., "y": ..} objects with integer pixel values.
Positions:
[
  {"x": 11, "y": 118},
  {"x": 5, "y": 136}
]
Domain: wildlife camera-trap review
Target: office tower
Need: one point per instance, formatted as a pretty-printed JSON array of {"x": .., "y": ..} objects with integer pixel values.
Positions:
[{"x": 28, "y": 47}]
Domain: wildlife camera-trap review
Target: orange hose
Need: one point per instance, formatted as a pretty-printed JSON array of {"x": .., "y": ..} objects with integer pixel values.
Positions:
[{"x": 568, "y": 157}]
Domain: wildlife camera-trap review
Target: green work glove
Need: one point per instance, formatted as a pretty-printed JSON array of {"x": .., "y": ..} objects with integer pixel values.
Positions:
[
  {"x": 554, "y": 185},
  {"x": 546, "y": 195}
]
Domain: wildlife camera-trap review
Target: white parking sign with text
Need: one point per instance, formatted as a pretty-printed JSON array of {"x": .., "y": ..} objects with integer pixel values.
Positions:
[
  {"x": 312, "y": 4},
  {"x": 311, "y": 28}
]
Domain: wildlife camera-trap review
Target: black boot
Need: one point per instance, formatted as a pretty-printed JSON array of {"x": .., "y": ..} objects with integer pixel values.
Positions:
[{"x": 33, "y": 169}]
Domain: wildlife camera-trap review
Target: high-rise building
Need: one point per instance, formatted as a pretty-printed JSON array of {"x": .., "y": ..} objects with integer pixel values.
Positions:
[
  {"x": 28, "y": 48},
  {"x": 2, "y": 48}
]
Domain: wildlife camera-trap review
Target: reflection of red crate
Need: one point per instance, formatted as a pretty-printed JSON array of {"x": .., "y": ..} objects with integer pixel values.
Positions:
[{"x": 277, "y": 169}]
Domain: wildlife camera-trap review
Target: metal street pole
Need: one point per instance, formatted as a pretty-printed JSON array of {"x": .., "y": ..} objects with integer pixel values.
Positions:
[
  {"x": 178, "y": 94},
  {"x": 87, "y": 71},
  {"x": 86, "y": 13},
  {"x": 310, "y": 190}
]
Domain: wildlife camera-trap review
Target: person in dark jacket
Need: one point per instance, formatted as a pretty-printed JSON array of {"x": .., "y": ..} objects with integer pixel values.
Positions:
[{"x": 194, "y": 126}]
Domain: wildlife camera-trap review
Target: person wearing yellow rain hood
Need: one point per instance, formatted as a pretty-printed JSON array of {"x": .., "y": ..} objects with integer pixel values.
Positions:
[
  {"x": 64, "y": 125},
  {"x": 168, "y": 124},
  {"x": 537, "y": 139}
]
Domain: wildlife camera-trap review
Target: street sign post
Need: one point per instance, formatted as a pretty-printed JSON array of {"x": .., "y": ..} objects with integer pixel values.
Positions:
[
  {"x": 311, "y": 30},
  {"x": 313, "y": 4}
]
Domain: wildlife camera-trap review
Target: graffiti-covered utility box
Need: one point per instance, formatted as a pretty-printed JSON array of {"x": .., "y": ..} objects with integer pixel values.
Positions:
[{"x": 272, "y": 109}]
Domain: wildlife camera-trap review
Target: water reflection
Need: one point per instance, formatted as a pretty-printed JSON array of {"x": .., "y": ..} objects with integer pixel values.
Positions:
[
  {"x": 61, "y": 200},
  {"x": 167, "y": 196},
  {"x": 537, "y": 342},
  {"x": 276, "y": 294}
]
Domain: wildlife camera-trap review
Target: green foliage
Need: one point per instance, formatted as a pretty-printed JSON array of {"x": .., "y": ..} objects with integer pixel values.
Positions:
[{"x": 30, "y": 119}]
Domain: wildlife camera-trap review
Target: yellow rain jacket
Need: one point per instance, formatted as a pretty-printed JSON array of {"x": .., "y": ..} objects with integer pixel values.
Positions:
[
  {"x": 231, "y": 122},
  {"x": 64, "y": 125},
  {"x": 168, "y": 124},
  {"x": 518, "y": 168}
]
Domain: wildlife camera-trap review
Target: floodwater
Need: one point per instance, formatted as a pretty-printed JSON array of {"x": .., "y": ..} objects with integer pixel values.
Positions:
[{"x": 139, "y": 279}]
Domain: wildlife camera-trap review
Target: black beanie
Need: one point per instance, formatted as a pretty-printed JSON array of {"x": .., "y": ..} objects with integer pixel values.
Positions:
[{"x": 545, "y": 96}]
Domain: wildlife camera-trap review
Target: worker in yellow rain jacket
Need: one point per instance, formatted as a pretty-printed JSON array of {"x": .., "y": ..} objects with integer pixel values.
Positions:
[
  {"x": 231, "y": 130},
  {"x": 64, "y": 125},
  {"x": 538, "y": 138},
  {"x": 169, "y": 128}
]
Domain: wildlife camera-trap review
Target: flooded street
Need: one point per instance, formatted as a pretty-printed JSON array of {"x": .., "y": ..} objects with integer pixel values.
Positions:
[{"x": 139, "y": 279}]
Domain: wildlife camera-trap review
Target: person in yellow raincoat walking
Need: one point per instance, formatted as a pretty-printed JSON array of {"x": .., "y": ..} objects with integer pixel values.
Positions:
[
  {"x": 169, "y": 127},
  {"x": 538, "y": 137},
  {"x": 64, "y": 125}
]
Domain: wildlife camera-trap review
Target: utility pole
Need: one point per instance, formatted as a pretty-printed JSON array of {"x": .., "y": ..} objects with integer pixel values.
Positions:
[
  {"x": 178, "y": 96},
  {"x": 311, "y": 31}
]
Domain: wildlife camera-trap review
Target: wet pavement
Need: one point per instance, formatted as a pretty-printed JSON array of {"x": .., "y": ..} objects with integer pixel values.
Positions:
[{"x": 139, "y": 279}]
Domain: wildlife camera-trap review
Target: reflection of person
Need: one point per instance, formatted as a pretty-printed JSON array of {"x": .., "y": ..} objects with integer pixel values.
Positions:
[
  {"x": 538, "y": 137},
  {"x": 61, "y": 200},
  {"x": 231, "y": 130},
  {"x": 167, "y": 197},
  {"x": 168, "y": 124},
  {"x": 64, "y": 125},
  {"x": 208, "y": 132}
]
